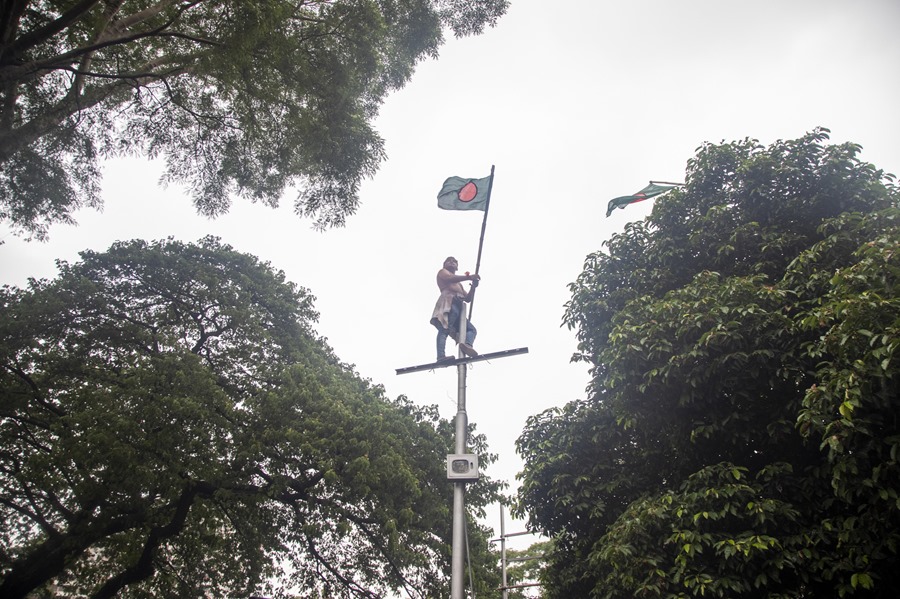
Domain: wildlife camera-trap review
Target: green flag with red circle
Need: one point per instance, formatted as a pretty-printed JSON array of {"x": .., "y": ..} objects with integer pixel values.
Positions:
[
  {"x": 648, "y": 192},
  {"x": 459, "y": 193}
]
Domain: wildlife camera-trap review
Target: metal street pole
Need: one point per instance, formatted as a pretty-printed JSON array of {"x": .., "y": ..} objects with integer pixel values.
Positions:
[{"x": 457, "y": 555}]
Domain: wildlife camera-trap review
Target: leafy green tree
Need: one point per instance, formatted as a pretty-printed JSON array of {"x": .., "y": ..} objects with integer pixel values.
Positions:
[
  {"x": 171, "y": 426},
  {"x": 241, "y": 97},
  {"x": 742, "y": 429}
]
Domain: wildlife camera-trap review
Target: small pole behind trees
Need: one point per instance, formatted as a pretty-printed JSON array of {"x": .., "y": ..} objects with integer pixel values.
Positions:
[
  {"x": 503, "y": 552},
  {"x": 504, "y": 562}
]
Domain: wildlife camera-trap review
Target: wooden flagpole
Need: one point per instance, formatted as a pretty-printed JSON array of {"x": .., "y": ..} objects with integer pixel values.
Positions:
[{"x": 487, "y": 207}]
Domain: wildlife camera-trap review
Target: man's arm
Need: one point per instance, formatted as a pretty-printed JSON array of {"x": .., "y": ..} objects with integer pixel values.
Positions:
[{"x": 445, "y": 277}]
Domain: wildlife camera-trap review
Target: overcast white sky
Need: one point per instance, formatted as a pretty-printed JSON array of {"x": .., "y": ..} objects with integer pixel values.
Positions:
[{"x": 575, "y": 102}]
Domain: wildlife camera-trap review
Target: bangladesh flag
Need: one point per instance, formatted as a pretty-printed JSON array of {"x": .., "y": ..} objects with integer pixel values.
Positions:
[
  {"x": 464, "y": 194},
  {"x": 648, "y": 192}
]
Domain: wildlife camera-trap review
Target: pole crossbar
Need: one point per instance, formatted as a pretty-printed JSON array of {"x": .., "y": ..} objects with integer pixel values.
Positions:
[
  {"x": 516, "y": 534},
  {"x": 457, "y": 361},
  {"x": 521, "y": 586},
  {"x": 527, "y": 558}
]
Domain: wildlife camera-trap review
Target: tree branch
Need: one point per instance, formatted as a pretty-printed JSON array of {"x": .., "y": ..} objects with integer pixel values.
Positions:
[
  {"x": 150, "y": 11},
  {"x": 350, "y": 584},
  {"x": 38, "y": 68},
  {"x": 47, "y": 559},
  {"x": 10, "y": 16},
  {"x": 143, "y": 568},
  {"x": 36, "y": 392},
  {"x": 13, "y": 140},
  {"x": 32, "y": 38},
  {"x": 108, "y": 13},
  {"x": 33, "y": 516}
]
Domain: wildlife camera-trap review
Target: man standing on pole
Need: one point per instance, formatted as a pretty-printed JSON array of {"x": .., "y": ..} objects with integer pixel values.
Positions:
[{"x": 445, "y": 317}]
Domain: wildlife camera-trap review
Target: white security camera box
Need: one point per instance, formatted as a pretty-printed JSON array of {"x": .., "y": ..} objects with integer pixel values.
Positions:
[{"x": 462, "y": 467}]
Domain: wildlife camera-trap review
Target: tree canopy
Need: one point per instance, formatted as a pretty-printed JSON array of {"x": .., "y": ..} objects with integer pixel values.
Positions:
[
  {"x": 241, "y": 97},
  {"x": 741, "y": 431},
  {"x": 171, "y": 426}
]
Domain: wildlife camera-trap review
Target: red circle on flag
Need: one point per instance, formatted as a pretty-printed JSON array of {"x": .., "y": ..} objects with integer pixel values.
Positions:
[{"x": 468, "y": 192}]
